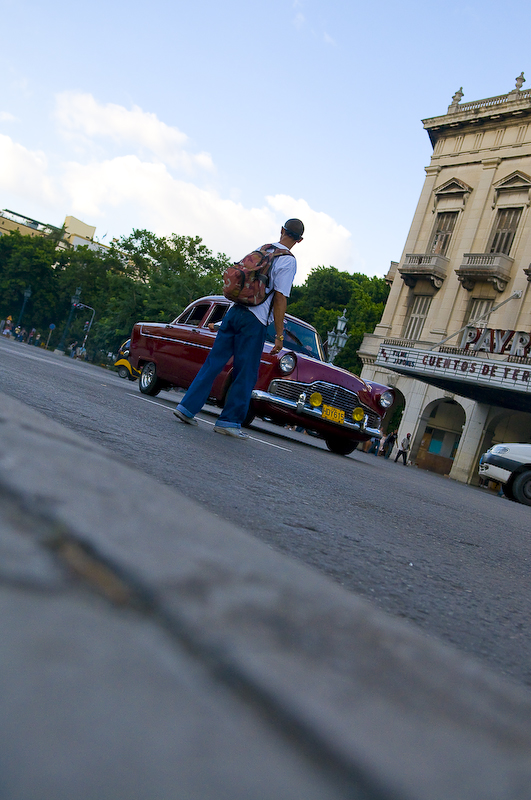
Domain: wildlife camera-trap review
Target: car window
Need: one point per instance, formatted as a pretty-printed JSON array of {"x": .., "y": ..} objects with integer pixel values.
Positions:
[
  {"x": 298, "y": 338},
  {"x": 217, "y": 314},
  {"x": 194, "y": 316}
]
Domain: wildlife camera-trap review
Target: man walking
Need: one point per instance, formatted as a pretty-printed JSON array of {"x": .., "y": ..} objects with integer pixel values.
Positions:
[
  {"x": 404, "y": 448},
  {"x": 389, "y": 443},
  {"x": 242, "y": 335}
]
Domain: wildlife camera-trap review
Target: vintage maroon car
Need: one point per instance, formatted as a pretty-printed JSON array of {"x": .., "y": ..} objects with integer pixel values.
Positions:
[{"x": 296, "y": 386}]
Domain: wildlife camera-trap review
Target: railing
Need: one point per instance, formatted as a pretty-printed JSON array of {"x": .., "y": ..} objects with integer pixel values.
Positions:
[
  {"x": 497, "y": 262},
  {"x": 401, "y": 342},
  {"x": 424, "y": 265},
  {"x": 426, "y": 260},
  {"x": 491, "y": 102}
]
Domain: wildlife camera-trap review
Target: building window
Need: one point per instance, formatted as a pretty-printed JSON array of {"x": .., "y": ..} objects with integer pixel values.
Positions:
[
  {"x": 417, "y": 317},
  {"x": 444, "y": 227},
  {"x": 505, "y": 230},
  {"x": 478, "y": 307}
]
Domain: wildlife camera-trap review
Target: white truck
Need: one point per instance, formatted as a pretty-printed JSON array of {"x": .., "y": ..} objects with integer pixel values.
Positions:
[{"x": 510, "y": 465}]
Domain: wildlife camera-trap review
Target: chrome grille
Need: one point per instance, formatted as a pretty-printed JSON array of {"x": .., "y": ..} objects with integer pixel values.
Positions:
[{"x": 333, "y": 395}]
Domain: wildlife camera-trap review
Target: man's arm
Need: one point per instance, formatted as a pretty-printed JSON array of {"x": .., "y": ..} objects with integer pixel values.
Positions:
[{"x": 280, "y": 304}]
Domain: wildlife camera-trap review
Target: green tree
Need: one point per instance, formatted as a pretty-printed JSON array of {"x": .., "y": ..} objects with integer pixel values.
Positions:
[
  {"x": 156, "y": 279},
  {"x": 28, "y": 261},
  {"x": 324, "y": 295}
]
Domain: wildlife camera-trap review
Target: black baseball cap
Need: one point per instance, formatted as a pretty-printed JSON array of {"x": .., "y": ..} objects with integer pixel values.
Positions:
[{"x": 294, "y": 228}]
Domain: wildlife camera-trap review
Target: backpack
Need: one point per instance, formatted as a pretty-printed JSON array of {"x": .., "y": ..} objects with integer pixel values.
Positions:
[{"x": 247, "y": 281}]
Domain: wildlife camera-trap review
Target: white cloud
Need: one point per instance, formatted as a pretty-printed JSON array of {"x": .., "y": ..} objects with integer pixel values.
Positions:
[
  {"x": 326, "y": 242},
  {"x": 120, "y": 192},
  {"x": 328, "y": 39},
  {"x": 148, "y": 196},
  {"x": 299, "y": 20},
  {"x": 5, "y": 116},
  {"x": 80, "y": 115},
  {"x": 24, "y": 173}
]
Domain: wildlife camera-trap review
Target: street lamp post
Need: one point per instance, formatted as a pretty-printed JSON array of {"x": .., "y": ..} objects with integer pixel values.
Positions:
[
  {"x": 73, "y": 301},
  {"x": 337, "y": 338},
  {"x": 27, "y": 295},
  {"x": 88, "y": 325}
]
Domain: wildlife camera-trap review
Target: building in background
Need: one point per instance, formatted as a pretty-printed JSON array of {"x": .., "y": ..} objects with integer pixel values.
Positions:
[
  {"x": 455, "y": 335},
  {"x": 74, "y": 232}
]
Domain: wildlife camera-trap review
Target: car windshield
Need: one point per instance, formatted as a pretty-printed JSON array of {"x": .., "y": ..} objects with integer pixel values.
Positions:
[{"x": 299, "y": 338}]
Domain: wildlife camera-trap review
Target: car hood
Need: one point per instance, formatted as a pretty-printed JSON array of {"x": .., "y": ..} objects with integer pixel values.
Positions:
[
  {"x": 310, "y": 370},
  {"x": 515, "y": 449}
]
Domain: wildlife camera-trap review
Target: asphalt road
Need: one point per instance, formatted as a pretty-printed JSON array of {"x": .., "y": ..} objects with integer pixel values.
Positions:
[{"x": 452, "y": 559}]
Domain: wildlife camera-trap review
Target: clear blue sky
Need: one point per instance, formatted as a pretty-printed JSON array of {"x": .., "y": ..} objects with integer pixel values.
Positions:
[{"x": 222, "y": 119}]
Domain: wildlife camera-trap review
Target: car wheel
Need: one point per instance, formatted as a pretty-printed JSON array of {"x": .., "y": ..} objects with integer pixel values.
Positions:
[
  {"x": 507, "y": 489},
  {"x": 149, "y": 383},
  {"x": 123, "y": 372},
  {"x": 522, "y": 488},
  {"x": 342, "y": 447}
]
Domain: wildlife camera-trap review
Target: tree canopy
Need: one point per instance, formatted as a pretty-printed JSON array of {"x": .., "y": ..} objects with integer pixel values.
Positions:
[
  {"x": 324, "y": 296},
  {"x": 142, "y": 276}
]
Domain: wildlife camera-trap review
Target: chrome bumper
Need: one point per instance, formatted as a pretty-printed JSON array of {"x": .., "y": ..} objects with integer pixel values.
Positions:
[{"x": 301, "y": 407}]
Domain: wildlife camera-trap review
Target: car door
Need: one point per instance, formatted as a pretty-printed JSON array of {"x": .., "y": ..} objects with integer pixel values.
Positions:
[{"x": 183, "y": 347}]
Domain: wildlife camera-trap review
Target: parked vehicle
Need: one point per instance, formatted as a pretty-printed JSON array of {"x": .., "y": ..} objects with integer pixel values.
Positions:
[
  {"x": 123, "y": 365},
  {"x": 295, "y": 387},
  {"x": 510, "y": 465}
]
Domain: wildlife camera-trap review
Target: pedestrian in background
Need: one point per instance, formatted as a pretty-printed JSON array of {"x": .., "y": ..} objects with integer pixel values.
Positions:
[
  {"x": 389, "y": 443},
  {"x": 404, "y": 449},
  {"x": 375, "y": 445}
]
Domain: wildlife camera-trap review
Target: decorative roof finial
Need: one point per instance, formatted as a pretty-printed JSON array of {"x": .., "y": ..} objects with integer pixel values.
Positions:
[
  {"x": 458, "y": 95},
  {"x": 520, "y": 80}
]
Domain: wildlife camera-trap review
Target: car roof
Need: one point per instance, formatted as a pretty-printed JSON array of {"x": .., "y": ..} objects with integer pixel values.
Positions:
[{"x": 219, "y": 298}]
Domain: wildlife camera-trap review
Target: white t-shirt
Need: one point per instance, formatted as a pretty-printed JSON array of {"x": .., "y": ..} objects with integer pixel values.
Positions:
[{"x": 282, "y": 276}]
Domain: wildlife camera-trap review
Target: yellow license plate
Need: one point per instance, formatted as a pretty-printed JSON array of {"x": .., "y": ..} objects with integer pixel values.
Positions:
[{"x": 333, "y": 414}]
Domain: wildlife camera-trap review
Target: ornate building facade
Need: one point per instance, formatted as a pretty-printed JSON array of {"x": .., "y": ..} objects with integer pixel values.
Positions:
[{"x": 455, "y": 335}]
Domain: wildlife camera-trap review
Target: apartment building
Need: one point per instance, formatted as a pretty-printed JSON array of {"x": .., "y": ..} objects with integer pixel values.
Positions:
[
  {"x": 74, "y": 232},
  {"x": 455, "y": 335}
]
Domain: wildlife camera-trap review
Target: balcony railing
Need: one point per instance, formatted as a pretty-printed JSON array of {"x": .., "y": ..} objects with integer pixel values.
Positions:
[
  {"x": 424, "y": 265},
  {"x": 493, "y": 268}
]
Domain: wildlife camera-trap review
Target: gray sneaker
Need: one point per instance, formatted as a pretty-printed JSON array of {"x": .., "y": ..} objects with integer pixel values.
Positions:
[
  {"x": 184, "y": 418},
  {"x": 237, "y": 433}
]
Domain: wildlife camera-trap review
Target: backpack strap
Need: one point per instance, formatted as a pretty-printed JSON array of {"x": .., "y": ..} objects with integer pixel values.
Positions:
[{"x": 278, "y": 251}]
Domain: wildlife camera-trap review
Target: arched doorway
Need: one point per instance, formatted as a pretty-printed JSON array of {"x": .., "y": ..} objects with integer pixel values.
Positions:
[{"x": 440, "y": 428}]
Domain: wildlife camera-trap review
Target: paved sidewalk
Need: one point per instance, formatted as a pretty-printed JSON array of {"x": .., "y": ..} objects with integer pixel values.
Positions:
[{"x": 150, "y": 650}]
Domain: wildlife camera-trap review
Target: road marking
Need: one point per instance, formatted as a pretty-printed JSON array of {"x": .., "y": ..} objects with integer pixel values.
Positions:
[
  {"x": 207, "y": 421},
  {"x": 278, "y": 447},
  {"x": 145, "y": 399}
]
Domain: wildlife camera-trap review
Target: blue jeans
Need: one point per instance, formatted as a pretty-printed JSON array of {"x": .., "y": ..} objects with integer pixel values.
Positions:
[{"x": 241, "y": 335}]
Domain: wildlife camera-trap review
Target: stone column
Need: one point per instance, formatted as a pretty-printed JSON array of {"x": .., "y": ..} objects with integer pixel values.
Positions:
[
  {"x": 478, "y": 222},
  {"x": 465, "y": 458}
]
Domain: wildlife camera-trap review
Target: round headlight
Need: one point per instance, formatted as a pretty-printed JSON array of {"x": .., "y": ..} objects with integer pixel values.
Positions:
[
  {"x": 358, "y": 414},
  {"x": 387, "y": 399},
  {"x": 287, "y": 363},
  {"x": 316, "y": 399}
]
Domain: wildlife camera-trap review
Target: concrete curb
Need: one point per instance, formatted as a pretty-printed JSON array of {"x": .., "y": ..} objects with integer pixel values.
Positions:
[{"x": 388, "y": 708}]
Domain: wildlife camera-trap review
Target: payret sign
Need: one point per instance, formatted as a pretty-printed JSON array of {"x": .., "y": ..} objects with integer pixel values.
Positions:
[{"x": 489, "y": 340}]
